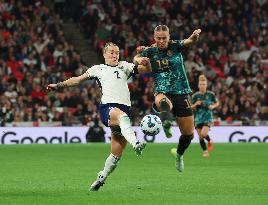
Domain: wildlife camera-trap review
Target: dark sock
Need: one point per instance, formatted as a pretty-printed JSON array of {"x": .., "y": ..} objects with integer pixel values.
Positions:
[
  {"x": 203, "y": 144},
  {"x": 184, "y": 142},
  {"x": 164, "y": 116},
  {"x": 207, "y": 138}
]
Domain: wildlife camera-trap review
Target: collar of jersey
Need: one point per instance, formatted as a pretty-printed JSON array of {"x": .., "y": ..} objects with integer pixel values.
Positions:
[
  {"x": 163, "y": 50},
  {"x": 111, "y": 65},
  {"x": 202, "y": 93}
]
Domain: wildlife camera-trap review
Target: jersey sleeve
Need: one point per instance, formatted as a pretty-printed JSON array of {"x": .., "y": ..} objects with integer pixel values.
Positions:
[
  {"x": 129, "y": 68},
  {"x": 179, "y": 44},
  {"x": 93, "y": 72},
  {"x": 145, "y": 53}
]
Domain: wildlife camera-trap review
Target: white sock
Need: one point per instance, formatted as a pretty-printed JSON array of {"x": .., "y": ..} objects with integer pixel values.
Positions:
[
  {"x": 110, "y": 165},
  {"x": 126, "y": 130}
]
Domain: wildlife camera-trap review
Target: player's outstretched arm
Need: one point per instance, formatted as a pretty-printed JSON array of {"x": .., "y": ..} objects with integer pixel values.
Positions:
[
  {"x": 213, "y": 106},
  {"x": 193, "y": 38},
  {"x": 197, "y": 103},
  {"x": 68, "y": 83}
]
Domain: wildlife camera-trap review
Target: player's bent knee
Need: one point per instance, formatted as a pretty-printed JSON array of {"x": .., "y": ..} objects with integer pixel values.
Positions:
[
  {"x": 115, "y": 112},
  {"x": 204, "y": 134},
  {"x": 164, "y": 105},
  {"x": 116, "y": 130}
]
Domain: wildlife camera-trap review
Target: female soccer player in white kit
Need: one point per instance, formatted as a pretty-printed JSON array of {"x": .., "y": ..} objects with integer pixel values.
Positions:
[{"x": 115, "y": 104}]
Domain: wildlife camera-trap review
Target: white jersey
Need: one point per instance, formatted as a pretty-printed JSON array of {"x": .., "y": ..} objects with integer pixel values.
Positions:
[{"x": 113, "y": 81}]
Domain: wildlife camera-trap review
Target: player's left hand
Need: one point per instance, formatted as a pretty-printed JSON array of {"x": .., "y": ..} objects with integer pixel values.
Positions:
[
  {"x": 197, "y": 31},
  {"x": 196, "y": 34}
]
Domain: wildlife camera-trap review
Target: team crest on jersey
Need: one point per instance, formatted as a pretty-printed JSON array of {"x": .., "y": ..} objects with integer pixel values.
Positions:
[
  {"x": 121, "y": 67},
  {"x": 169, "y": 53}
]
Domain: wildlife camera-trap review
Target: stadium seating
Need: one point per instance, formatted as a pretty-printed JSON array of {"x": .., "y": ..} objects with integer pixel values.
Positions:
[{"x": 232, "y": 52}]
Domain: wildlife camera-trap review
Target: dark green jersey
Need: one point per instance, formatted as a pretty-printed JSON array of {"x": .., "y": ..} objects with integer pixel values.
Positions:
[
  {"x": 168, "y": 68},
  {"x": 202, "y": 113}
]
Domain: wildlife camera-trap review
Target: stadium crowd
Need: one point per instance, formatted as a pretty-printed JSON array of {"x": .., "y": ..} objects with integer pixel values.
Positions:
[
  {"x": 232, "y": 53},
  {"x": 33, "y": 53}
]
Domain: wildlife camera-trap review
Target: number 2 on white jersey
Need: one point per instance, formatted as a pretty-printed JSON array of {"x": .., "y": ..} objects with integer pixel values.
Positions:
[{"x": 117, "y": 74}]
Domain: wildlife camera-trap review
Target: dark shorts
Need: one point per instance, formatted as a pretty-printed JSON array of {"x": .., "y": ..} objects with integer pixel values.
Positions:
[
  {"x": 106, "y": 108},
  {"x": 200, "y": 126},
  {"x": 181, "y": 104}
]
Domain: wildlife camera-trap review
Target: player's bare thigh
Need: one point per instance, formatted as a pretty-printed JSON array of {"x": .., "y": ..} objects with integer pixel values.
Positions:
[
  {"x": 186, "y": 125},
  {"x": 115, "y": 114},
  {"x": 159, "y": 97},
  {"x": 118, "y": 144}
]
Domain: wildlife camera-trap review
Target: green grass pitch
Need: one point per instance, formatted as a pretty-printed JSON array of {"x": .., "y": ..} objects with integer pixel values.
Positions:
[{"x": 61, "y": 175}]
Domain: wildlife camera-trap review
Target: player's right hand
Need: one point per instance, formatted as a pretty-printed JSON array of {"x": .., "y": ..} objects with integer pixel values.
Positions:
[
  {"x": 145, "y": 61},
  {"x": 142, "y": 61},
  {"x": 198, "y": 102},
  {"x": 52, "y": 87}
]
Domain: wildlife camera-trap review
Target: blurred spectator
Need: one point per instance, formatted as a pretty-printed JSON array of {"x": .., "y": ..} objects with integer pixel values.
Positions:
[
  {"x": 232, "y": 51},
  {"x": 95, "y": 133}
]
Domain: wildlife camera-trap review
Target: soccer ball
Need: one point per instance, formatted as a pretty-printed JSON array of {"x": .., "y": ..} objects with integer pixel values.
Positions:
[{"x": 151, "y": 125}]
